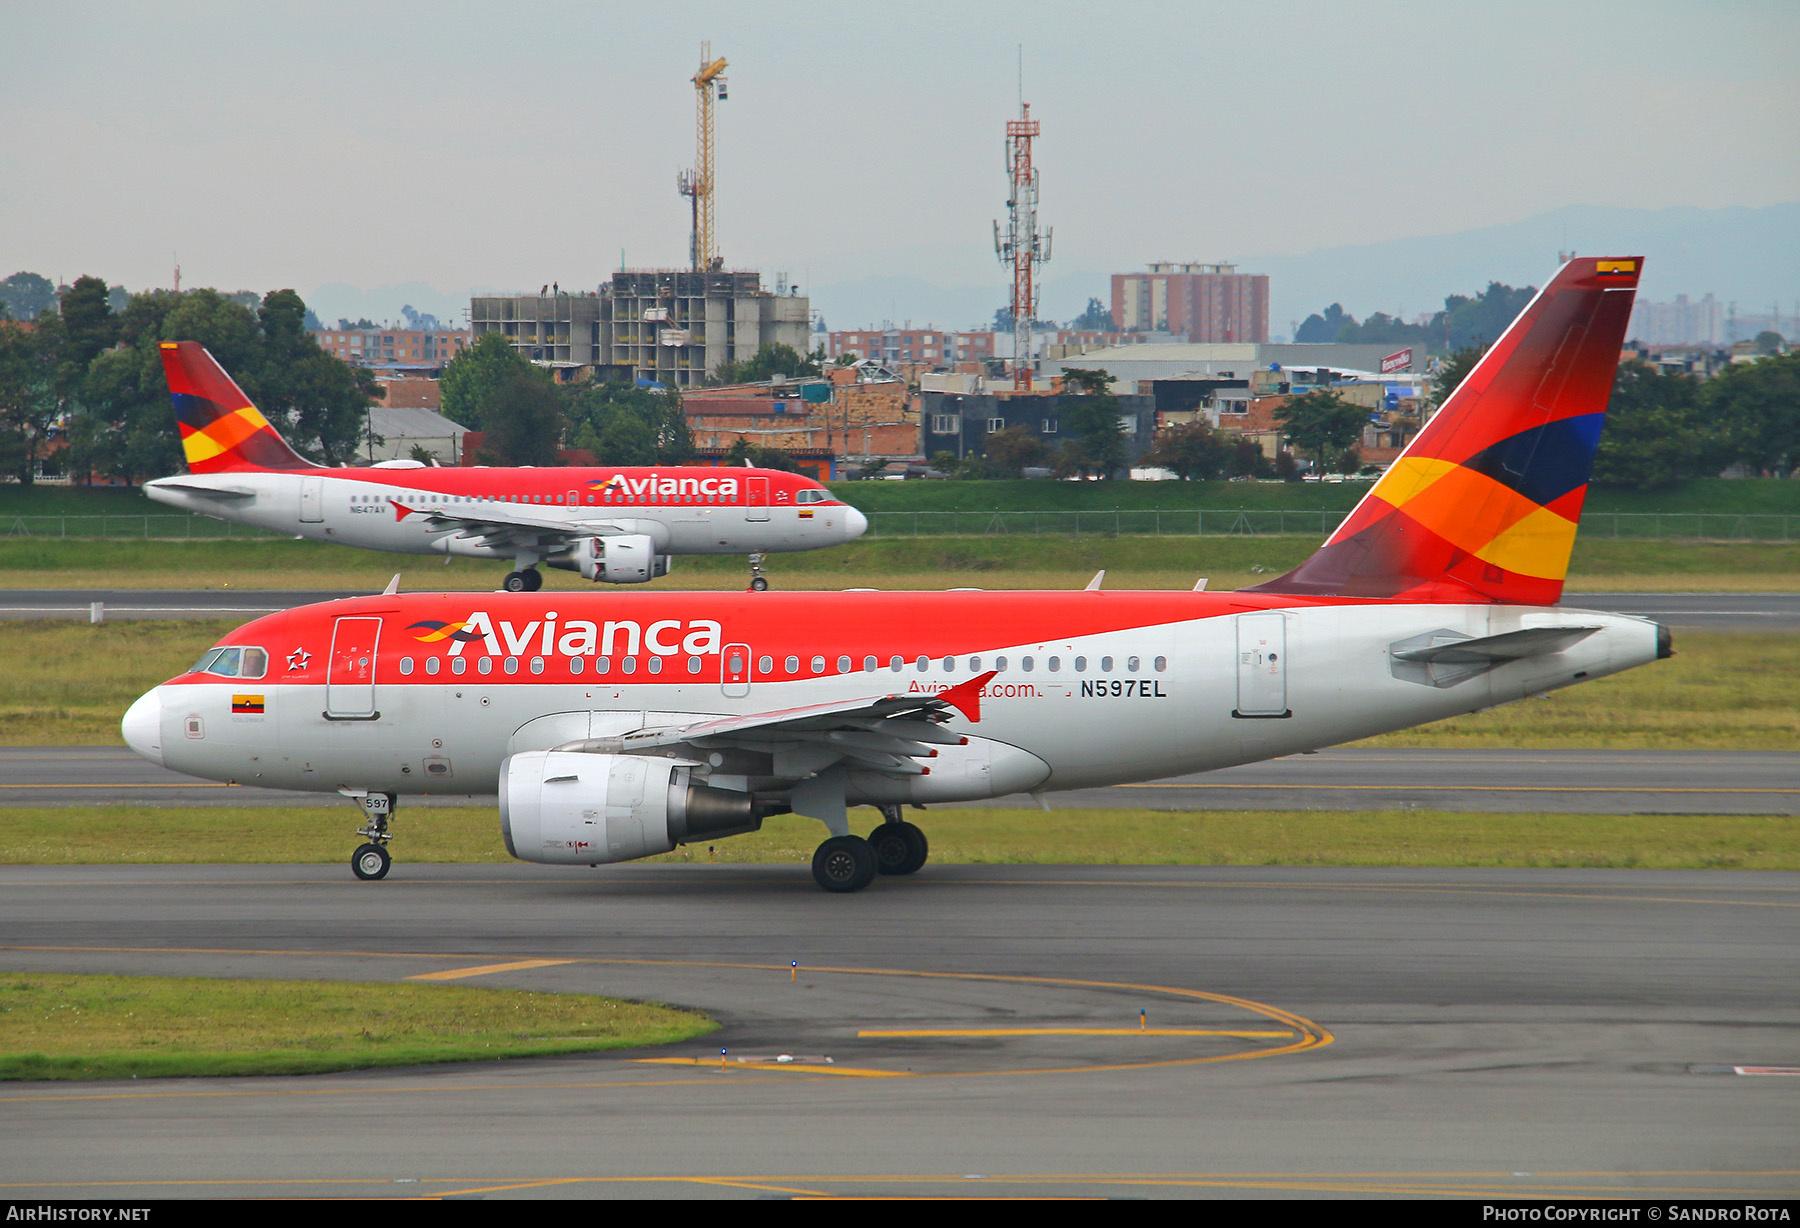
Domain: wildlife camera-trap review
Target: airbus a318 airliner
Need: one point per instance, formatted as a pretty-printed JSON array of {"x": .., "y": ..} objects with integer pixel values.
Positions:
[
  {"x": 618, "y": 726},
  {"x": 616, "y": 526}
]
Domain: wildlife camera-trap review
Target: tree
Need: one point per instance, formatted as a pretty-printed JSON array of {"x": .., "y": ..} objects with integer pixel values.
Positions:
[
  {"x": 1655, "y": 434},
  {"x": 1321, "y": 423},
  {"x": 30, "y": 392},
  {"x": 1097, "y": 318},
  {"x": 1756, "y": 409},
  {"x": 1086, "y": 382},
  {"x": 1008, "y": 453},
  {"x": 475, "y": 376},
  {"x": 1097, "y": 443},
  {"x": 1452, "y": 371},
  {"x": 26, "y": 295},
  {"x": 523, "y": 420},
  {"x": 772, "y": 359},
  {"x": 1322, "y": 327},
  {"x": 88, "y": 323},
  {"x": 659, "y": 431},
  {"x": 1770, "y": 342},
  {"x": 743, "y": 452},
  {"x": 1192, "y": 450}
]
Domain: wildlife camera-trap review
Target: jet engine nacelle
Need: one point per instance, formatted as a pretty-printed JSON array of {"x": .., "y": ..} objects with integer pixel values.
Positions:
[
  {"x": 629, "y": 558},
  {"x": 570, "y": 808}
]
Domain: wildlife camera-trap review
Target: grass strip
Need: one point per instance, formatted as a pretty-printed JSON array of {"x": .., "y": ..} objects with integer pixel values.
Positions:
[
  {"x": 68, "y": 684},
  {"x": 959, "y": 836},
  {"x": 993, "y": 561},
  {"x": 60, "y": 1026}
]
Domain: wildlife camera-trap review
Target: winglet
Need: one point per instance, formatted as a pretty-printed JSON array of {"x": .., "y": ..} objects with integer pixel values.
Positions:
[
  {"x": 1093, "y": 586},
  {"x": 965, "y": 697}
]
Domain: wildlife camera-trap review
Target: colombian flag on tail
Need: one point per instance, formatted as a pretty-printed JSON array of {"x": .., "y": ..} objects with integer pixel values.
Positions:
[
  {"x": 221, "y": 430},
  {"x": 1483, "y": 505}
]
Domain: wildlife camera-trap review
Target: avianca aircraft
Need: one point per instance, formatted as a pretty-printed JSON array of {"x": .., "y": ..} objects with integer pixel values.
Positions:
[
  {"x": 616, "y": 726},
  {"x": 617, "y": 526}
]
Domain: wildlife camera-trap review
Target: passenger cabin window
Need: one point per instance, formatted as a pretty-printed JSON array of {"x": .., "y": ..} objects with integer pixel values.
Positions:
[{"x": 235, "y": 662}]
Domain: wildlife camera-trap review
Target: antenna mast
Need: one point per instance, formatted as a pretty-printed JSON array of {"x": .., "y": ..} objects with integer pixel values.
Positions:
[
  {"x": 1022, "y": 246},
  {"x": 709, "y": 86}
]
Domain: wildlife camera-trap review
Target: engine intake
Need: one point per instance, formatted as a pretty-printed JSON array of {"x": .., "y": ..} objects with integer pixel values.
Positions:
[
  {"x": 629, "y": 558},
  {"x": 569, "y": 808}
]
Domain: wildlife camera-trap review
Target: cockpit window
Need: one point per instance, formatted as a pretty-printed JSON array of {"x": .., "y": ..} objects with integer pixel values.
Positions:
[
  {"x": 233, "y": 662},
  {"x": 811, "y": 496}
]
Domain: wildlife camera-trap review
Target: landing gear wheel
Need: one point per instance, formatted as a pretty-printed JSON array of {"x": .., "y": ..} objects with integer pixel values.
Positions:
[
  {"x": 844, "y": 863},
  {"x": 759, "y": 584},
  {"x": 900, "y": 848},
  {"x": 371, "y": 861},
  {"x": 529, "y": 580}
]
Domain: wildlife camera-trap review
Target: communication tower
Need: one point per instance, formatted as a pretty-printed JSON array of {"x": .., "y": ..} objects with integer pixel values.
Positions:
[
  {"x": 1022, "y": 246},
  {"x": 697, "y": 184}
]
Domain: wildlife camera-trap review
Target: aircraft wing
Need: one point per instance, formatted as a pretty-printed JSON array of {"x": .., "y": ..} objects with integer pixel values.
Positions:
[
  {"x": 506, "y": 526},
  {"x": 887, "y": 733}
]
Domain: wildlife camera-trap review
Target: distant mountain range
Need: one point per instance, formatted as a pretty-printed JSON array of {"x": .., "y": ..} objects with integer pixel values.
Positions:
[{"x": 1750, "y": 256}]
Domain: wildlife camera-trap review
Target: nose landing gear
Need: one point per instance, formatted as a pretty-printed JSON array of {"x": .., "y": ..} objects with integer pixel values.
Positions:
[
  {"x": 758, "y": 582},
  {"x": 371, "y": 861}
]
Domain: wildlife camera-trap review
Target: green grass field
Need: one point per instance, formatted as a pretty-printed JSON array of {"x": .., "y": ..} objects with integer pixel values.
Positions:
[
  {"x": 325, "y": 834},
  {"x": 1046, "y": 562},
  {"x": 58, "y": 1026}
]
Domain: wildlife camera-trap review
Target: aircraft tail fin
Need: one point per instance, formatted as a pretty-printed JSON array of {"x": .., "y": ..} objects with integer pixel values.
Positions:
[
  {"x": 1483, "y": 504},
  {"x": 221, "y": 431}
]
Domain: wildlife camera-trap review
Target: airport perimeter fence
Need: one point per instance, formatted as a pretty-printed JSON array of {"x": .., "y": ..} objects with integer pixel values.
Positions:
[
  {"x": 1645, "y": 526},
  {"x": 1226, "y": 522}
]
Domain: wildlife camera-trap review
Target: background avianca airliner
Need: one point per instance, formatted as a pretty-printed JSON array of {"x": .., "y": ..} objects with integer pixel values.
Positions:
[
  {"x": 619, "y": 725},
  {"x": 619, "y": 525}
]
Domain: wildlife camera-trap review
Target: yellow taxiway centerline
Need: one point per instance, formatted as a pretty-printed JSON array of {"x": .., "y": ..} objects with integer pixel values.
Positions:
[
  {"x": 924, "y": 1032},
  {"x": 457, "y": 974}
]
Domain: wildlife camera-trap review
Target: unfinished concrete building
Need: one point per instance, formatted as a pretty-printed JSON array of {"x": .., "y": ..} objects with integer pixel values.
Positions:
[{"x": 674, "y": 326}]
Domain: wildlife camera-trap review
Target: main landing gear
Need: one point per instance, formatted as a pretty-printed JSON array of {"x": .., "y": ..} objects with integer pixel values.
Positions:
[
  {"x": 371, "y": 861},
  {"x": 528, "y": 580},
  {"x": 850, "y": 863},
  {"x": 758, "y": 582}
]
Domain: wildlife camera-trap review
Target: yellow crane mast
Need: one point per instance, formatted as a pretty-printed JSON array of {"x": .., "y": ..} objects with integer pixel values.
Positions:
[{"x": 709, "y": 87}]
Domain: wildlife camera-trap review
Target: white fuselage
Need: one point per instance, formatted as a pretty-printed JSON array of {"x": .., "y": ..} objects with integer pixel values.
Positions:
[
  {"x": 1176, "y": 697},
  {"x": 360, "y": 511}
]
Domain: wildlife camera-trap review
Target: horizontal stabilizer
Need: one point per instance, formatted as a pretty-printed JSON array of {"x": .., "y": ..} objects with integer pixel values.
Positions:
[
  {"x": 1512, "y": 646},
  {"x": 1444, "y": 658},
  {"x": 225, "y": 494}
]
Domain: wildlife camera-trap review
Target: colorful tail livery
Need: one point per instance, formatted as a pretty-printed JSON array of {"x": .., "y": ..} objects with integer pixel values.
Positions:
[
  {"x": 221, "y": 431},
  {"x": 1483, "y": 505}
]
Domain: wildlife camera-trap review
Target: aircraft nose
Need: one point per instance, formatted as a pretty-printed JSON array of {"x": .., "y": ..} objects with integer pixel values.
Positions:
[
  {"x": 142, "y": 727},
  {"x": 855, "y": 524}
]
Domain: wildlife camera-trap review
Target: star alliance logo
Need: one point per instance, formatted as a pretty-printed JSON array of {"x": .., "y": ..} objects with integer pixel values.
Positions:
[{"x": 299, "y": 659}]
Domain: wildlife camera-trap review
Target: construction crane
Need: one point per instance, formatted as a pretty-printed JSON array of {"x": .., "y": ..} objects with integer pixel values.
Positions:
[
  {"x": 1022, "y": 246},
  {"x": 697, "y": 184}
]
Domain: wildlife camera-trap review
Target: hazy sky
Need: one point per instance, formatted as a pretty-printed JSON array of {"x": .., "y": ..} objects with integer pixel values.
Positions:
[{"x": 508, "y": 145}]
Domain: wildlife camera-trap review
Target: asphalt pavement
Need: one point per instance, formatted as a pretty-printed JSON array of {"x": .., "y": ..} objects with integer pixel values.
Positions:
[{"x": 971, "y": 1031}]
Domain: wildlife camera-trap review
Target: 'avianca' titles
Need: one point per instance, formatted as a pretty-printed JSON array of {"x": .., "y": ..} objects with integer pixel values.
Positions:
[
  {"x": 619, "y": 725},
  {"x": 617, "y": 526}
]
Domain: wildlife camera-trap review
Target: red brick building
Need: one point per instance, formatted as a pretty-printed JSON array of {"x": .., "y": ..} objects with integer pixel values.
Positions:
[{"x": 1197, "y": 302}]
